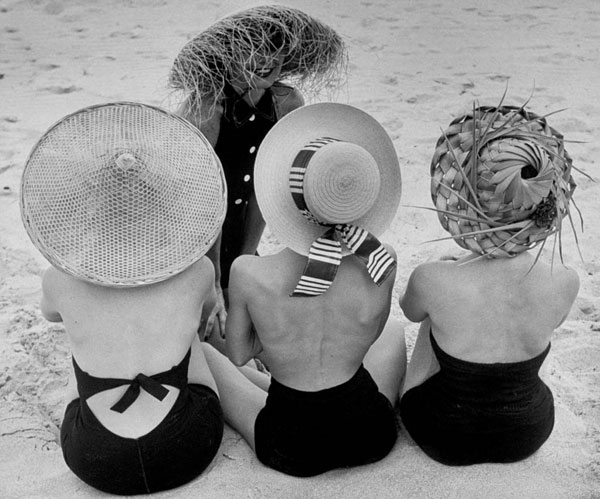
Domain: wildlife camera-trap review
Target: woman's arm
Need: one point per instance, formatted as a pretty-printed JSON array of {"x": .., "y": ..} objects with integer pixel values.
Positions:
[
  {"x": 48, "y": 307},
  {"x": 219, "y": 310},
  {"x": 242, "y": 342},
  {"x": 254, "y": 227},
  {"x": 205, "y": 116},
  {"x": 414, "y": 299}
]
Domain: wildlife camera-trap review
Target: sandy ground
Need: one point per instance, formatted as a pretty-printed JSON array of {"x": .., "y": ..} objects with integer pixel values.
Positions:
[{"x": 414, "y": 66}]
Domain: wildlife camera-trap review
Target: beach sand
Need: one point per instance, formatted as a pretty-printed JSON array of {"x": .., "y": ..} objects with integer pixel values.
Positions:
[{"x": 414, "y": 66}]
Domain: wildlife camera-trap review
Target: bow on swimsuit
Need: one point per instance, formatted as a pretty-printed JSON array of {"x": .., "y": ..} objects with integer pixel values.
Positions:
[{"x": 173, "y": 453}]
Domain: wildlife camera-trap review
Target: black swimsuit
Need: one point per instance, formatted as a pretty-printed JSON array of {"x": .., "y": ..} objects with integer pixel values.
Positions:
[
  {"x": 470, "y": 412},
  {"x": 242, "y": 129},
  {"x": 307, "y": 433},
  {"x": 173, "y": 453}
]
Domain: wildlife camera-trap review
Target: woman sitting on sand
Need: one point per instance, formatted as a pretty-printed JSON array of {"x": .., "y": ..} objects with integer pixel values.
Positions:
[
  {"x": 501, "y": 184},
  {"x": 124, "y": 200},
  {"x": 328, "y": 182},
  {"x": 235, "y": 77}
]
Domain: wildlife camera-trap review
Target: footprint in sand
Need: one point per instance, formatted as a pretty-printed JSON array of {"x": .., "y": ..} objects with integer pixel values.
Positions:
[
  {"x": 498, "y": 77},
  {"x": 56, "y": 89},
  {"x": 54, "y": 8},
  {"x": 49, "y": 67}
]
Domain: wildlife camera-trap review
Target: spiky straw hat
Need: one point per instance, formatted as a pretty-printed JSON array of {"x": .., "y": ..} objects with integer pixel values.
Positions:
[
  {"x": 314, "y": 55},
  {"x": 501, "y": 180}
]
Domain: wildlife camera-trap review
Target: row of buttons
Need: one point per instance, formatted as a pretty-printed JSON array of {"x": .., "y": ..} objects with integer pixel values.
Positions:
[
  {"x": 252, "y": 150},
  {"x": 247, "y": 177}
]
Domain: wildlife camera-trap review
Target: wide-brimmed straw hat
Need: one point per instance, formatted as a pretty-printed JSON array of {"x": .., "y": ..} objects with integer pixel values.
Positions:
[
  {"x": 123, "y": 194},
  {"x": 327, "y": 181},
  {"x": 353, "y": 178},
  {"x": 501, "y": 180}
]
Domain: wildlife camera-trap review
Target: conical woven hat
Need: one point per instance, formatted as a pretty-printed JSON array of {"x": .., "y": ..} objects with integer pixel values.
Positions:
[
  {"x": 501, "y": 180},
  {"x": 123, "y": 194},
  {"x": 363, "y": 150}
]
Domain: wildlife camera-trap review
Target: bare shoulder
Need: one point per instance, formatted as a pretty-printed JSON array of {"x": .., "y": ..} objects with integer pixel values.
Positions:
[
  {"x": 286, "y": 99},
  {"x": 55, "y": 282},
  {"x": 205, "y": 116},
  {"x": 566, "y": 280},
  {"x": 203, "y": 271},
  {"x": 432, "y": 271},
  {"x": 244, "y": 270}
]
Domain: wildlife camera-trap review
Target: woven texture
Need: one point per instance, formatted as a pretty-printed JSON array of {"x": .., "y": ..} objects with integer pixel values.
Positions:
[
  {"x": 122, "y": 194},
  {"x": 290, "y": 135},
  {"x": 501, "y": 180}
]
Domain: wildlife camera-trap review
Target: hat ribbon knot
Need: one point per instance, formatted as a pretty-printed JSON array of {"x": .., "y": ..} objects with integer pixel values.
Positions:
[{"x": 325, "y": 253}]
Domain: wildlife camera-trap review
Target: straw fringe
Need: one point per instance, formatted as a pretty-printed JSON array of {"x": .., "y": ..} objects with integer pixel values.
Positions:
[{"x": 314, "y": 54}]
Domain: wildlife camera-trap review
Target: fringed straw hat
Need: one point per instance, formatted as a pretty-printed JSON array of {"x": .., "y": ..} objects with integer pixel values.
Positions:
[
  {"x": 501, "y": 180},
  {"x": 323, "y": 172},
  {"x": 123, "y": 194},
  {"x": 313, "y": 54}
]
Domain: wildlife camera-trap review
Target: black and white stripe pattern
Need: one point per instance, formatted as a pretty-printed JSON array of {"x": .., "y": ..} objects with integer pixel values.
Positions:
[
  {"x": 324, "y": 258},
  {"x": 325, "y": 254},
  {"x": 367, "y": 247},
  {"x": 298, "y": 171}
]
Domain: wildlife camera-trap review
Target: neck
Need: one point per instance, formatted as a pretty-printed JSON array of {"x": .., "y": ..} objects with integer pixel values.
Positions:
[{"x": 253, "y": 96}]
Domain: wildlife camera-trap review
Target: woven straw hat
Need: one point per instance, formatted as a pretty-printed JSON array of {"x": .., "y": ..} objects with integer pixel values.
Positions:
[
  {"x": 354, "y": 174},
  {"x": 123, "y": 194},
  {"x": 501, "y": 180}
]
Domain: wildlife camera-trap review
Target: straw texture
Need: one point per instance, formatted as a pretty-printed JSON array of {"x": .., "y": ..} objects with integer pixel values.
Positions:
[
  {"x": 342, "y": 183},
  {"x": 289, "y": 136},
  {"x": 501, "y": 180},
  {"x": 314, "y": 55},
  {"x": 122, "y": 194}
]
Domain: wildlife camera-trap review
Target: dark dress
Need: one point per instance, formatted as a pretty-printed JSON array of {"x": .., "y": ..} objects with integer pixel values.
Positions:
[
  {"x": 176, "y": 451},
  {"x": 471, "y": 413},
  {"x": 242, "y": 129}
]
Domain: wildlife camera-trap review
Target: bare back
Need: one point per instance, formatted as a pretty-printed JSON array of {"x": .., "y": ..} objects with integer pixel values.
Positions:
[
  {"x": 119, "y": 333},
  {"x": 491, "y": 310},
  {"x": 309, "y": 343}
]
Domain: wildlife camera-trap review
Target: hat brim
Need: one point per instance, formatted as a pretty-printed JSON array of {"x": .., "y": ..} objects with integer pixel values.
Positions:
[
  {"x": 112, "y": 227},
  {"x": 288, "y": 136}
]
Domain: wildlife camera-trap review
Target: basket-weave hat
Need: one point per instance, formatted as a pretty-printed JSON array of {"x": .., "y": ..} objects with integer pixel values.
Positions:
[
  {"x": 327, "y": 181},
  {"x": 123, "y": 194},
  {"x": 501, "y": 180}
]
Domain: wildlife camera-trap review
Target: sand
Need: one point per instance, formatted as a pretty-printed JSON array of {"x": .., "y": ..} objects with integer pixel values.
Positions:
[{"x": 414, "y": 66}]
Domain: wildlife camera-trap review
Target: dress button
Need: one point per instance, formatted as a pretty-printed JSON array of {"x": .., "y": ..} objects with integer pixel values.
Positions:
[
  {"x": 238, "y": 201},
  {"x": 246, "y": 178},
  {"x": 252, "y": 149},
  {"x": 252, "y": 118}
]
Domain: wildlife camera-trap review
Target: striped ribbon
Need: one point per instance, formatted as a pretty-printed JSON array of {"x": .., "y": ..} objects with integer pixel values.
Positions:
[{"x": 325, "y": 254}]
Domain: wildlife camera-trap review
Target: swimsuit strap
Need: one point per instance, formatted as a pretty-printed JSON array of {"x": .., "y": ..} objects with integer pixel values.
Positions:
[{"x": 89, "y": 385}]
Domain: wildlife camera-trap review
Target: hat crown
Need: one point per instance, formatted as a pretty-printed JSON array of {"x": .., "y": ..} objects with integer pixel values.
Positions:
[{"x": 342, "y": 183}]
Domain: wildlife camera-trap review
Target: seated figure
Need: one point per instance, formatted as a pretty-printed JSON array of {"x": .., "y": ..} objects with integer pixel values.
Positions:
[
  {"x": 316, "y": 313},
  {"x": 124, "y": 200},
  {"x": 501, "y": 184}
]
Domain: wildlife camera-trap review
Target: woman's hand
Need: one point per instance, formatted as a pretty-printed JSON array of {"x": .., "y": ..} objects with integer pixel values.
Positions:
[{"x": 218, "y": 315}]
